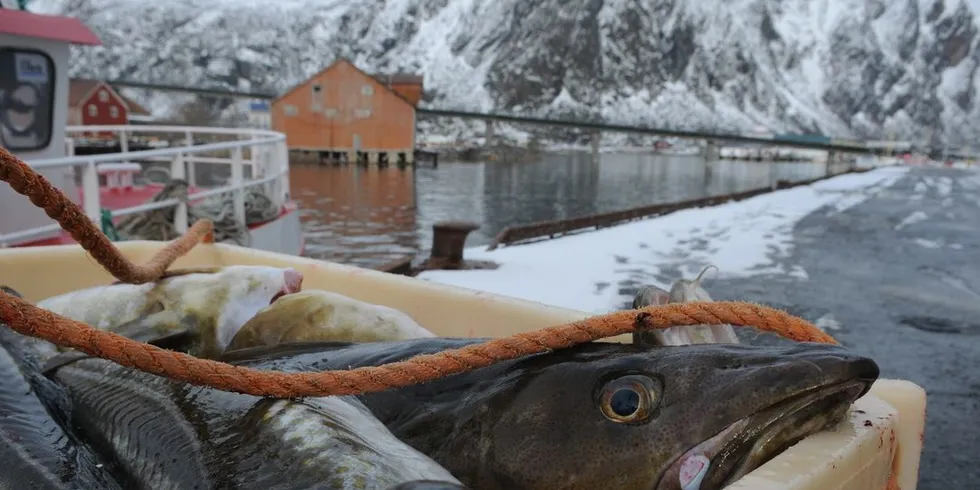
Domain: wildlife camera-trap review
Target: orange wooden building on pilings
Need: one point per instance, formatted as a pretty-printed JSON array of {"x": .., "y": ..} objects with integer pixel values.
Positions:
[{"x": 343, "y": 114}]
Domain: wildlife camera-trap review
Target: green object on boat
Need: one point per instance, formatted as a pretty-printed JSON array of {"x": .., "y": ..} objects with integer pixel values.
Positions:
[{"x": 108, "y": 227}]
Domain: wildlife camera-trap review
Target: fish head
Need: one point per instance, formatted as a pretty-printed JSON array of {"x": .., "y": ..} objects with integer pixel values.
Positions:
[
  {"x": 225, "y": 300},
  {"x": 620, "y": 416}
]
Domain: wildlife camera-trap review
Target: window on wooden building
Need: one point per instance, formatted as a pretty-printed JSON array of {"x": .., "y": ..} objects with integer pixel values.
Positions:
[
  {"x": 289, "y": 110},
  {"x": 114, "y": 112},
  {"x": 367, "y": 90},
  {"x": 330, "y": 112},
  {"x": 103, "y": 96},
  {"x": 363, "y": 113},
  {"x": 93, "y": 110},
  {"x": 316, "y": 99},
  {"x": 27, "y": 87}
]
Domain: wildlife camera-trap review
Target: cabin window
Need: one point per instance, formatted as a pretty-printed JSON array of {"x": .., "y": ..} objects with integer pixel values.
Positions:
[
  {"x": 93, "y": 110},
  {"x": 330, "y": 112},
  {"x": 317, "y": 98},
  {"x": 367, "y": 90},
  {"x": 114, "y": 112},
  {"x": 289, "y": 110},
  {"x": 26, "y": 99},
  {"x": 103, "y": 96},
  {"x": 363, "y": 113}
]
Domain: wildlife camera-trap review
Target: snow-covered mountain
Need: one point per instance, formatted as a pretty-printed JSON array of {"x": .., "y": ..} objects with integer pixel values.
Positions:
[{"x": 861, "y": 68}]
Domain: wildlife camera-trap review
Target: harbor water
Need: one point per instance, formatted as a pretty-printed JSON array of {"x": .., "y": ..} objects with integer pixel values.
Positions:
[{"x": 369, "y": 216}]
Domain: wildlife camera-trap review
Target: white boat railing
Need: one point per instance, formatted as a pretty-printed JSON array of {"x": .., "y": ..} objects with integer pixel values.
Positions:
[{"x": 268, "y": 159}]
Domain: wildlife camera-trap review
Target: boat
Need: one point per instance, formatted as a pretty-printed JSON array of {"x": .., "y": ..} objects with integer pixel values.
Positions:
[
  {"x": 877, "y": 447},
  {"x": 34, "y": 55}
]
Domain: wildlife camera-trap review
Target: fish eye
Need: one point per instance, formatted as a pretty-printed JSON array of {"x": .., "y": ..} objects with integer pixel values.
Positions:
[{"x": 629, "y": 399}]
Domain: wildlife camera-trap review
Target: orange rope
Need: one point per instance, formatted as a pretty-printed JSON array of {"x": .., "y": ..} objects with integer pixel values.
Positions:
[{"x": 30, "y": 320}]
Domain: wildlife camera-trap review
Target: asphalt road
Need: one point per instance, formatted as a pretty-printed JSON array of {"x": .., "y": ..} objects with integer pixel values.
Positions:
[{"x": 902, "y": 287}]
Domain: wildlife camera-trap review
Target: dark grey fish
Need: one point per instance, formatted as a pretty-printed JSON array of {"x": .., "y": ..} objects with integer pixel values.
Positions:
[
  {"x": 36, "y": 451},
  {"x": 170, "y": 435},
  {"x": 603, "y": 415}
]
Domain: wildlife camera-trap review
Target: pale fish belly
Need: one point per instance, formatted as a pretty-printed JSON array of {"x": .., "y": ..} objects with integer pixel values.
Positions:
[
  {"x": 102, "y": 307},
  {"x": 374, "y": 324},
  {"x": 339, "y": 437}
]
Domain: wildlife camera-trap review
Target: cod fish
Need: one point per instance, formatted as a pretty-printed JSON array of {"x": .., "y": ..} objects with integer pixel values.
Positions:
[
  {"x": 682, "y": 291},
  {"x": 320, "y": 315},
  {"x": 602, "y": 415},
  {"x": 167, "y": 435},
  {"x": 35, "y": 450},
  {"x": 198, "y": 310}
]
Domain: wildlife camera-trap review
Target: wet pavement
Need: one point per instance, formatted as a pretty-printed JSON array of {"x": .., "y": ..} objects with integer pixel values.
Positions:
[{"x": 896, "y": 278}]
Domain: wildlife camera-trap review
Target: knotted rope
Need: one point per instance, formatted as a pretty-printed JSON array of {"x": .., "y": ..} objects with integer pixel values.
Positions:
[{"x": 27, "y": 319}]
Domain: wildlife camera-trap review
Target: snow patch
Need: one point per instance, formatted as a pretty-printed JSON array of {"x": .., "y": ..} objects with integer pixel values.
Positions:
[
  {"x": 915, "y": 217},
  {"x": 745, "y": 238}
]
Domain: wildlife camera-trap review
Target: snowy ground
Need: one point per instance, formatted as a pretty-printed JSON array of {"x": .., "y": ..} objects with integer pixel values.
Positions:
[{"x": 599, "y": 271}]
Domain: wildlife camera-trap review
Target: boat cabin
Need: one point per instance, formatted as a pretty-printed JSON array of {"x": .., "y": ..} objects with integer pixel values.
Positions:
[{"x": 34, "y": 54}]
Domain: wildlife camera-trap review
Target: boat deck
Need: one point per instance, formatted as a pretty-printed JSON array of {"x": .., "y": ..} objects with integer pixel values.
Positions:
[{"x": 119, "y": 198}]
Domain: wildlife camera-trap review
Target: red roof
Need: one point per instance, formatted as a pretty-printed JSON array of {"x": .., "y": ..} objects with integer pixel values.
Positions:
[{"x": 53, "y": 27}]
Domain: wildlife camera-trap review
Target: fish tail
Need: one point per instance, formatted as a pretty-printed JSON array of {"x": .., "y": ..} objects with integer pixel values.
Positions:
[{"x": 697, "y": 280}]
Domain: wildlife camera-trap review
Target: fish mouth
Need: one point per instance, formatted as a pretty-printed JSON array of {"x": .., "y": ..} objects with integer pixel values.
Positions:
[
  {"x": 292, "y": 283},
  {"x": 753, "y": 440}
]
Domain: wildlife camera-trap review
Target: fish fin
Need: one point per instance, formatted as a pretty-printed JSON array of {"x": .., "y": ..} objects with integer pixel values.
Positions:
[
  {"x": 11, "y": 291},
  {"x": 61, "y": 360},
  {"x": 286, "y": 348},
  {"x": 144, "y": 330},
  {"x": 139, "y": 330},
  {"x": 185, "y": 271}
]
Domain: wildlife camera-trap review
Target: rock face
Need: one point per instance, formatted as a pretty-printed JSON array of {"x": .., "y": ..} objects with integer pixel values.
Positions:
[{"x": 848, "y": 68}]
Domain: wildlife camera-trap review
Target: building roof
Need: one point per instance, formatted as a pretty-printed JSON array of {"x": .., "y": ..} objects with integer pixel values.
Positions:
[
  {"x": 135, "y": 109},
  {"x": 79, "y": 88},
  {"x": 397, "y": 78},
  {"x": 52, "y": 27}
]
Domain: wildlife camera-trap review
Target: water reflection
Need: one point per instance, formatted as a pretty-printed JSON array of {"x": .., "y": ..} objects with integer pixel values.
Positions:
[{"x": 368, "y": 217}]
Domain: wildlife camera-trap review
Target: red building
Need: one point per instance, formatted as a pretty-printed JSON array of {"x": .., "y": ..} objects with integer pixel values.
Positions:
[{"x": 92, "y": 102}]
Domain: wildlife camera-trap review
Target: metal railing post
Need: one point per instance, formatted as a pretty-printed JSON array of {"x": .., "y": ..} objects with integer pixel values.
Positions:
[
  {"x": 123, "y": 145},
  {"x": 281, "y": 165},
  {"x": 191, "y": 171},
  {"x": 237, "y": 179},
  {"x": 90, "y": 192},
  {"x": 180, "y": 212}
]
